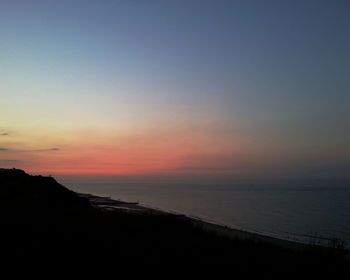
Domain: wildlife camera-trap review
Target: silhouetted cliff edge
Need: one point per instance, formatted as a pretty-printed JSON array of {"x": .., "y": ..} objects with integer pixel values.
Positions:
[
  {"x": 23, "y": 191},
  {"x": 44, "y": 222}
]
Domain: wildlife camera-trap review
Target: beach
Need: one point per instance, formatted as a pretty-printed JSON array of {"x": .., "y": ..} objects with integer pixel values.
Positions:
[
  {"x": 112, "y": 205},
  {"x": 305, "y": 211}
]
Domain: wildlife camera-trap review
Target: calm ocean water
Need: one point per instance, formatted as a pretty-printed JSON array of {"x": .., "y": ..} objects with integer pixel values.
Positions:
[{"x": 294, "y": 209}]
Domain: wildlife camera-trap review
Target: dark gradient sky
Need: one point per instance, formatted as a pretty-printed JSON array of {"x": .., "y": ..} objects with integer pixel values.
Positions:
[{"x": 234, "y": 88}]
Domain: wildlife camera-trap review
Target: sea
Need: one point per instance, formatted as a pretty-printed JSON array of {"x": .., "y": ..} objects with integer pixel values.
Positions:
[{"x": 307, "y": 211}]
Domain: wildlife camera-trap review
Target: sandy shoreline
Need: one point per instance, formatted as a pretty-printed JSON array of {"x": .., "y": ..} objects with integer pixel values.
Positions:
[{"x": 109, "y": 204}]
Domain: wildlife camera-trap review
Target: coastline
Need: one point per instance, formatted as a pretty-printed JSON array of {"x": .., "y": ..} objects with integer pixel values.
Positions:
[
  {"x": 109, "y": 204},
  {"x": 51, "y": 223}
]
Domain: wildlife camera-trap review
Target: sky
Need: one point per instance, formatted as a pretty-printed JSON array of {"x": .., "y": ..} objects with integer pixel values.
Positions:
[{"x": 176, "y": 88}]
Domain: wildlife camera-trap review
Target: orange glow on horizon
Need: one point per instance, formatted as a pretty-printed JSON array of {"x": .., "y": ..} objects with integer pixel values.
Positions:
[{"x": 143, "y": 153}]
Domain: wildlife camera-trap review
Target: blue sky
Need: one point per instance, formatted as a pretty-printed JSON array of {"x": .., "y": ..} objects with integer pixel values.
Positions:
[{"x": 264, "y": 83}]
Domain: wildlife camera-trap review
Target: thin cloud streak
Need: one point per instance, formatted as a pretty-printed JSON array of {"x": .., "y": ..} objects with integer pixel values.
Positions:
[
  {"x": 44, "y": 150},
  {"x": 9, "y": 161},
  {"x": 208, "y": 168},
  {"x": 25, "y": 151}
]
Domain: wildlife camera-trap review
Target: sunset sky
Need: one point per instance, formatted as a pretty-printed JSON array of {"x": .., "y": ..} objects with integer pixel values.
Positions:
[{"x": 231, "y": 88}]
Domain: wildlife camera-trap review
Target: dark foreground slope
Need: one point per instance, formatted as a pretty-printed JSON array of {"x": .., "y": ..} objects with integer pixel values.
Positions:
[{"x": 43, "y": 222}]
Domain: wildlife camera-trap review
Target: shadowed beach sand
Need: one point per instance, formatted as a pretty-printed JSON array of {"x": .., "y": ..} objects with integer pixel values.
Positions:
[{"x": 112, "y": 205}]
